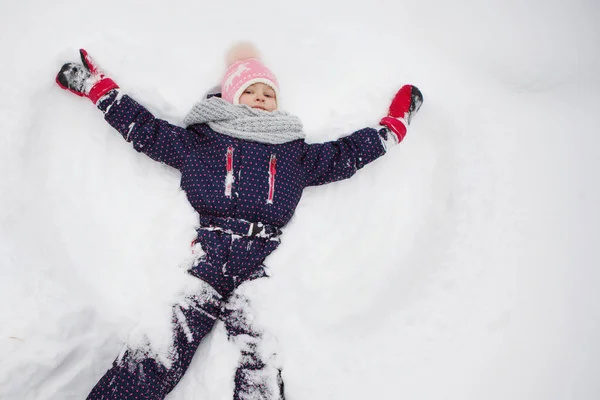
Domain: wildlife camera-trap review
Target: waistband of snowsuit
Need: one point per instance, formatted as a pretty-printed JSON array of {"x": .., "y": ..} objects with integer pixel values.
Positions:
[{"x": 234, "y": 226}]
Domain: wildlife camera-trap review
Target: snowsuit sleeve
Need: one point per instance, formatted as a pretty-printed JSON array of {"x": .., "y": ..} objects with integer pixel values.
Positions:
[
  {"x": 161, "y": 141},
  {"x": 340, "y": 159}
]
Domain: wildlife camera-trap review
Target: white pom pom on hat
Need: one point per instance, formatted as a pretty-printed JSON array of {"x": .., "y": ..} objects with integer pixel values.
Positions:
[
  {"x": 244, "y": 69},
  {"x": 241, "y": 51}
]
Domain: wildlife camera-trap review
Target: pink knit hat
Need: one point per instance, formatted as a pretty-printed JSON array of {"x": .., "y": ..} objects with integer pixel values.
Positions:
[{"x": 245, "y": 69}]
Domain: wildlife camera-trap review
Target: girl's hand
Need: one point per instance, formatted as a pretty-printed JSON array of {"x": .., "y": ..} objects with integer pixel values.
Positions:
[
  {"x": 85, "y": 79},
  {"x": 404, "y": 106}
]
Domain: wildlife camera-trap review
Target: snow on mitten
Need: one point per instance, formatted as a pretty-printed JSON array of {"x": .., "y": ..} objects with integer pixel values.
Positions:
[
  {"x": 404, "y": 106},
  {"x": 85, "y": 79}
]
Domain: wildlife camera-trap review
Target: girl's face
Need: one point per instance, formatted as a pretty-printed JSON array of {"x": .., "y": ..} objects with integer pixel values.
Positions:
[{"x": 259, "y": 96}]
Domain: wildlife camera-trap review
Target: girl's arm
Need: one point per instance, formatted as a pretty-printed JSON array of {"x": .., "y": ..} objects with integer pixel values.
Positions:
[
  {"x": 157, "y": 138},
  {"x": 340, "y": 159},
  {"x": 154, "y": 137}
]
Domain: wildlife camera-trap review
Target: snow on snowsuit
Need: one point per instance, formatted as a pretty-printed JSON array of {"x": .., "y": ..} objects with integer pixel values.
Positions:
[
  {"x": 138, "y": 375},
  {"x": 244, "y": 192}
]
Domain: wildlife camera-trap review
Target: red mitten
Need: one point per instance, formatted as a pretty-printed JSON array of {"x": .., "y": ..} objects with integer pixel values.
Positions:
[
  {"x": 85, "y": 79},
  {"x": 405, "y": 105}
]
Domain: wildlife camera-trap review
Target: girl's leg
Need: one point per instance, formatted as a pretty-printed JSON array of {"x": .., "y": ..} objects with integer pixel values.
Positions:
[
  {"x": 136, "y": 374},
  {"x": 257, "y": 376}
]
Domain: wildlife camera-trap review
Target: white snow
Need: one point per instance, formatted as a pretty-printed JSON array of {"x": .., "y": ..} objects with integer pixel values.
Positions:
[{"x": 462, "y": 265}]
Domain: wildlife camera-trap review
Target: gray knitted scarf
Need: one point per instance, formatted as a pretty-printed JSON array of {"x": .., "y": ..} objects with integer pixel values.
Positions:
[{"x": 246, "y": 123}]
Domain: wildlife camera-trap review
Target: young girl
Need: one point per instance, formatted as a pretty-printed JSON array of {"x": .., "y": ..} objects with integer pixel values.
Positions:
[{"x": 243, "y": 164}]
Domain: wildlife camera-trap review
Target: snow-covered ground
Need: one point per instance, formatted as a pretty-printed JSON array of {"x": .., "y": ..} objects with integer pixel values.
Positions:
[{"x": 465, "y": 264}]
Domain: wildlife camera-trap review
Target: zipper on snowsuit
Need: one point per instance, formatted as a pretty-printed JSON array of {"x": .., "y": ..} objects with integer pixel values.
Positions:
[
  {"x": 272, "y": 171},
  {"x": 229, "y": 166}
]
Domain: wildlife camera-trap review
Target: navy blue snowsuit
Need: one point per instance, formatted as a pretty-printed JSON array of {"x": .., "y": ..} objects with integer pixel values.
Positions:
[{"x": 244, "y": 192}]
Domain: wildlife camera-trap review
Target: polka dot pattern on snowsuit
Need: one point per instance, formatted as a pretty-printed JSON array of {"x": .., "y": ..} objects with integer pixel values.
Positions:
[
  {"x": 200, "y": 154},
  {"x": 236, "y": 186}
]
